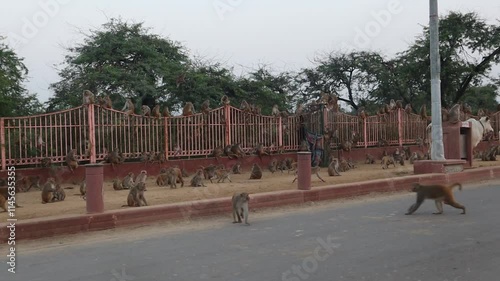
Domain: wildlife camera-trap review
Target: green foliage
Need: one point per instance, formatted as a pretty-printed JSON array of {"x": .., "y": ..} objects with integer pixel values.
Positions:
[
  {"x": 123, "y": 61},
  {"x": 14, "y": 99}
]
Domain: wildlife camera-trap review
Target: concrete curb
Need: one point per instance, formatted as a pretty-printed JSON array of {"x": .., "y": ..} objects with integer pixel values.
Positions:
[{"x": 70, "y": 224}]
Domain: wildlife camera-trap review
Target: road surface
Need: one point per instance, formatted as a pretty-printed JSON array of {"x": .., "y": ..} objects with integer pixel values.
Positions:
[{"x": 361, "y": 239}]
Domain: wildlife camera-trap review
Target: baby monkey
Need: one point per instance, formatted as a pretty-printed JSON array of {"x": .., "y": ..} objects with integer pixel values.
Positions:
[
  {"x": 439, "y": 193},
  {"x": 240, "y": 207}
]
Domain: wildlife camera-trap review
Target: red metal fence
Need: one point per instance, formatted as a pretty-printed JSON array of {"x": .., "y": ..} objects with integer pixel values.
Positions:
[{"x": 94, "y": 131}]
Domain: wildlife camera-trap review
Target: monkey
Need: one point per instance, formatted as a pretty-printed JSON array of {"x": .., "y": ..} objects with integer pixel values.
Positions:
[
  {"x": 245, "y": 107},
  {"x": 236, "y": 169},
  {"x": 156, "y": 112},
  {"x": 369, "y": 159},
  {"x": 40, "y": 143},
  {"x": 162, "y": 178},
  {"x": 273, "y": 165},
  {"x": 184, "y": 173},
  {"x": 444, "y": 114},
  {"x": 188, "y": 109},
  {"x": 166, "y": 112},
  {"x": 259, "y": 150},
  {"x": 4, "y": 198},
  {"x": 106, "y": 102},
  {"x": 222, "y": 175},
  {"x": 224, "y": 100},
  {"x": 481, "y": 113},
  {"x": 145, "y": 158},
  {"x": 141, "y": 177},
  {"x": 304, "y": 146},
  {"x": 88, "y": 97},
  {"x": 46, "y": 162},
  {"x": 346, "y": 145},
  {"x": 83, "y": 189},
  {"x": 71, "y": 160},
  {"x": 177, "y": 151},
  {"x": 314, "y": 170},
  {"x": 174, "y": 176},
  {"x": 454, "y": 114},
  {"x": 3, "y": 201},
  {"x": 332, "y": 103},
  {"x": 423, "y": 112},
  {"x": 387, "y": 109},
  {"x": 392, "y": 105},
  {"x": 114, "y": 157},
  {"x": 27, "y": 182},
  {"x": 240, "y": 207},
  {"x": 408, "y": 109},
  {"x": 399, "y": 104},
  {"x": 406, "y": 152},
  {"x": 362, "y": 113},
  {"x": 281, "y": 165},
  {"x": 333, "y": 168},
  {"x": 386, "y": 161},
  {"x": 382, "y": 143},
  {"x": 300, "y": 109},
  {"x": 256, "y": 110},
  {"x": 236, "y": 150},
  {"x": 256, "y": 172},
  {"x": 146, "y": 111},
  {"x": 117, "y": 184},
  {"x": 197, "y": 179},
  {"x": 129, "y": 107},
  {"x": 205, "y": 107},
  {"x": 48, "y": 190},
  {"x": 128, "y": 181},
  {"x": 218, "y": 152},
  {"x": 59, "y": 194},
  {"x": 440, "y": 193},
  {"x": 420, "y": 142},
  {"x": 344, "y": 165},
  {"x": 136, "y": 197},
  {"x": 275, "y": 111}
]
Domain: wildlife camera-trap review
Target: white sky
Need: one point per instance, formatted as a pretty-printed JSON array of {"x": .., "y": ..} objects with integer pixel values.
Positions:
[{"x": 283, "y": 34}]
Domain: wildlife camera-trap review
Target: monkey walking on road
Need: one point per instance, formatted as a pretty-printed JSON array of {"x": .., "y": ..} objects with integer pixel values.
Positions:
[
  {"x": 439, "y": 193},
  {"x": 240, "y": 207}
]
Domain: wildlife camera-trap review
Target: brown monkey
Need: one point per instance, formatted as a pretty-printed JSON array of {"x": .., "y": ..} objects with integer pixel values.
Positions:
[
  {"x": 236, "y": 150},
  {"x": 146, "y": 111},
  {"x": 188, "y": 109},
  {"x": 454, "y": 114},
  {"x": 4, "y": 197},
  {"x": 346, "y": 145},
  {"x": 362, "y": 113},
  {"x": 129, "y": 107},
  {"x": 224, "y": 100},
  {"x": 156, "y": 112},
  {"x": 166, "y": 112},
  {"x": 383, "y": 143},
  {"x": 71, "y": 160},
  {"x": 177, "y": 150},
  {"x": 245, "y": 106},
  {"x": 260, "y": 151},
  {"x": 304, "y": 146},
  {"x": 205, "y": 107},
  {"x": 408, "y": 109},
  {"x": 136, "y": 197},
  {"x": 440, "y": 193},
  {"x": 228, "y": 153},
  {"x": 83, "y": 189},
  {"x": 197, "y": 179},
  {"x": 333, "y": 168},
  {"x": 386, "y": 161},
  {"x": 88, "y": 97},
  {"x": 48, "y": 190},
  {"x": 222, "y": 175},
  {"x": 141, "y": 177},
  {"x": 399, "y": 104},
  {"x": 240, "y": 207},
  {"x": 162, "y": 179},
  {"x": 128, "y": 181},
  {"x": 256, "y": 172},
  {"x": 27, "y": 182},
  {"x": 3, "y": 201},
  {"x": 106, "y": 102},
  {"x": 59, "y": 194},
  {"x": 117, "y": 184},
  {"x": 114, "y": 157},
  {"x": 369, "y": 159},
  {"x": 236, "y": 169},
  {"x": 171, "y": 177},
  {"x": 423, "y": 112},
  {"x": 218, "y": 152},
  {"x": 406, "y": 152},
  {"x": 300, "y": 109},
  {"x": 314, "y": 170},
  {"x": 46, "y": 162},
  {"x": 273, "y": 165},
  {"x": 392, "y": 105}
]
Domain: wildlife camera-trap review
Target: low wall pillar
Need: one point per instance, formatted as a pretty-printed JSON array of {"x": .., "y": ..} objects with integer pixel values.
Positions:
[
  {"x": 304, "y": 170},
  {"x": 94, "y": 178}
]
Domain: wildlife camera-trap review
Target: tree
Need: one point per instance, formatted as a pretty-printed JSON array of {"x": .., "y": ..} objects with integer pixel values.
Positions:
[
  {"x": 14, "y": 98},
  {"x": 122, "y": 60},
  {"x": 469, "y": 47}
]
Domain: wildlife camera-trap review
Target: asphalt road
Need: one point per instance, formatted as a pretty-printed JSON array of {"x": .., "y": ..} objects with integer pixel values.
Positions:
[{"x": 368, "y": 239}]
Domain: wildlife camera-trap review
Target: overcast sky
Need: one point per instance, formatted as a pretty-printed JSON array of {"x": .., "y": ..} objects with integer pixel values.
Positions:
[{"x": 283, "y": 34}]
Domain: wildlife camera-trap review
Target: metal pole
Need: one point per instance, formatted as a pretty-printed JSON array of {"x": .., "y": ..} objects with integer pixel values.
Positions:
[{"x": 437, "y": 149}]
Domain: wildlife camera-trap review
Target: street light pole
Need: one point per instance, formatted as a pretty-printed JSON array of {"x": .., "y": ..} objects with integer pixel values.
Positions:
[{"x": 437, "y": 149}]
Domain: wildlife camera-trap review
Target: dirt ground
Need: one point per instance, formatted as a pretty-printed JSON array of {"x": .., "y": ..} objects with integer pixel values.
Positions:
[{"x": 155, "y": 195}]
